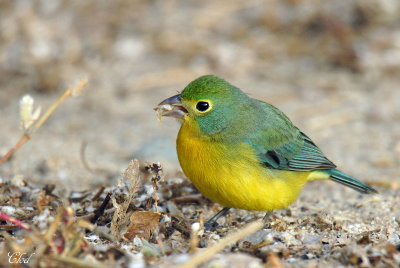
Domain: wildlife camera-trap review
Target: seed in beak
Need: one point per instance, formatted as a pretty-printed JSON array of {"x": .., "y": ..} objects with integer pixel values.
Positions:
[{"x": 171, "y": 107}]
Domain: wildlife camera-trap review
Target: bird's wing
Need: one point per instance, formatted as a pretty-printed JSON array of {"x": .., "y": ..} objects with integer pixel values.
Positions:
[{"x": 281, "y": 145}]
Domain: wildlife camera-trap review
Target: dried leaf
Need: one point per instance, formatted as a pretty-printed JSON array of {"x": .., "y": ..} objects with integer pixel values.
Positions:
[
  {"x": 364, "y": 240},
  {"x": 43, "y": 200},
  {"x": 120, "y": 216},
  {"x": 143, "y": 224}
]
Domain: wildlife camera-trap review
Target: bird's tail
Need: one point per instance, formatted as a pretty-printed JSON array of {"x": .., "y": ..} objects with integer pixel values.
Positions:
[{"x": 351, "y": 182}]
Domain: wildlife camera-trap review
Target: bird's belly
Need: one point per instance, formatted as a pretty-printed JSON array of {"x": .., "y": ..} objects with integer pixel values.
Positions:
[{"x": 233, "y": 177}]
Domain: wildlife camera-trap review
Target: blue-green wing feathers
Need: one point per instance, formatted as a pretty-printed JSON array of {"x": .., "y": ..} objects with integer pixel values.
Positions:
[
  {"x": 310, "y": 157},
  {"x": 280, "y": 145},
  {"x": 298, "y": 154}
]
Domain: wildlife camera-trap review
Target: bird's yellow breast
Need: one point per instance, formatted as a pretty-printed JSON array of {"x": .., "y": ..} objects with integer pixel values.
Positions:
[{"x": 231, "y": 174}]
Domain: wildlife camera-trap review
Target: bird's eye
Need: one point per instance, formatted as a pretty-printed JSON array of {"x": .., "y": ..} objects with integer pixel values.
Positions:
[{"x": 202, "y": 106}]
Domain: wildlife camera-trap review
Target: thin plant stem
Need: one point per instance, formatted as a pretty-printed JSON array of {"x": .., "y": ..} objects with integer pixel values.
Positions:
[
  {"x": 207, "y": 254},
  {"x": 27, "y": 135}
]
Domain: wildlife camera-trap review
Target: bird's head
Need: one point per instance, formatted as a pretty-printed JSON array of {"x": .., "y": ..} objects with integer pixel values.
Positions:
[{"x": 210, "y": 102}]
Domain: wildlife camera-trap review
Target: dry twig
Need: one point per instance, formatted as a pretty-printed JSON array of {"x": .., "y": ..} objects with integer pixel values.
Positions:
[
  {"x": 71, "y": 91},
  {"x": 214, "y": 249}
]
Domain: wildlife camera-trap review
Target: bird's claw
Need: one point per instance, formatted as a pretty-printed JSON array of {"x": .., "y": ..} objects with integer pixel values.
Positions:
[{"x": 210, "y": 226}]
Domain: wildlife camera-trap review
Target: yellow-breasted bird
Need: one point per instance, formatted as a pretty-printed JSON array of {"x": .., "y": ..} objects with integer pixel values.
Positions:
[{"x": 244, "y": 153}]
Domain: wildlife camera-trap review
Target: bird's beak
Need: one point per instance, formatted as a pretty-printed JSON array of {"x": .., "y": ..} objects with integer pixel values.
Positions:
[{"x": 171, "y": 107}]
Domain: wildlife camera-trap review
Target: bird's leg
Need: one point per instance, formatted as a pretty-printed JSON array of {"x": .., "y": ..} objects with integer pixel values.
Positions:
[
  {"x": 212, "y": 223},
  {"x": 266, "y": 219}
]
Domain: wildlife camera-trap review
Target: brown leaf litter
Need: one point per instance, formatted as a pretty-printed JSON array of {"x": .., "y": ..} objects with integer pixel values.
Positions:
[{"x": 120, "y": 226}]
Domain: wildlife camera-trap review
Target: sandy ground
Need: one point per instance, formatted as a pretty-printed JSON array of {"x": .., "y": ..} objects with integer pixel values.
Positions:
[{"x": 332, "y": 67}]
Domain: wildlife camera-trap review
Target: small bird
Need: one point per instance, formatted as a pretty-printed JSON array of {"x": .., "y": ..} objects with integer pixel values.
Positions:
[{"x": 244, "y": 153}]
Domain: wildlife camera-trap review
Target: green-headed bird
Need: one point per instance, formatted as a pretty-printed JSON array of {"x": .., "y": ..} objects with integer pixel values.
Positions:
[{"x": 244, "y": 153}]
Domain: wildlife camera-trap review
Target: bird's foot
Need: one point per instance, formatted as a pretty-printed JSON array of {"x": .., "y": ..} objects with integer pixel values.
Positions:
[
  {"x": 210, "y": 226},
  {"x": 266, "y": 220}
]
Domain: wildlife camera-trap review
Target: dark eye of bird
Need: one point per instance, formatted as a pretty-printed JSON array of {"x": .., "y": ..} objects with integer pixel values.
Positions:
[{"x": 202, "y": 106}]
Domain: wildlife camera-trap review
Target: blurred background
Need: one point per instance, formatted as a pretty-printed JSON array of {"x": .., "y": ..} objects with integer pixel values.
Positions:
[{"x": 332, "y": 66}]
